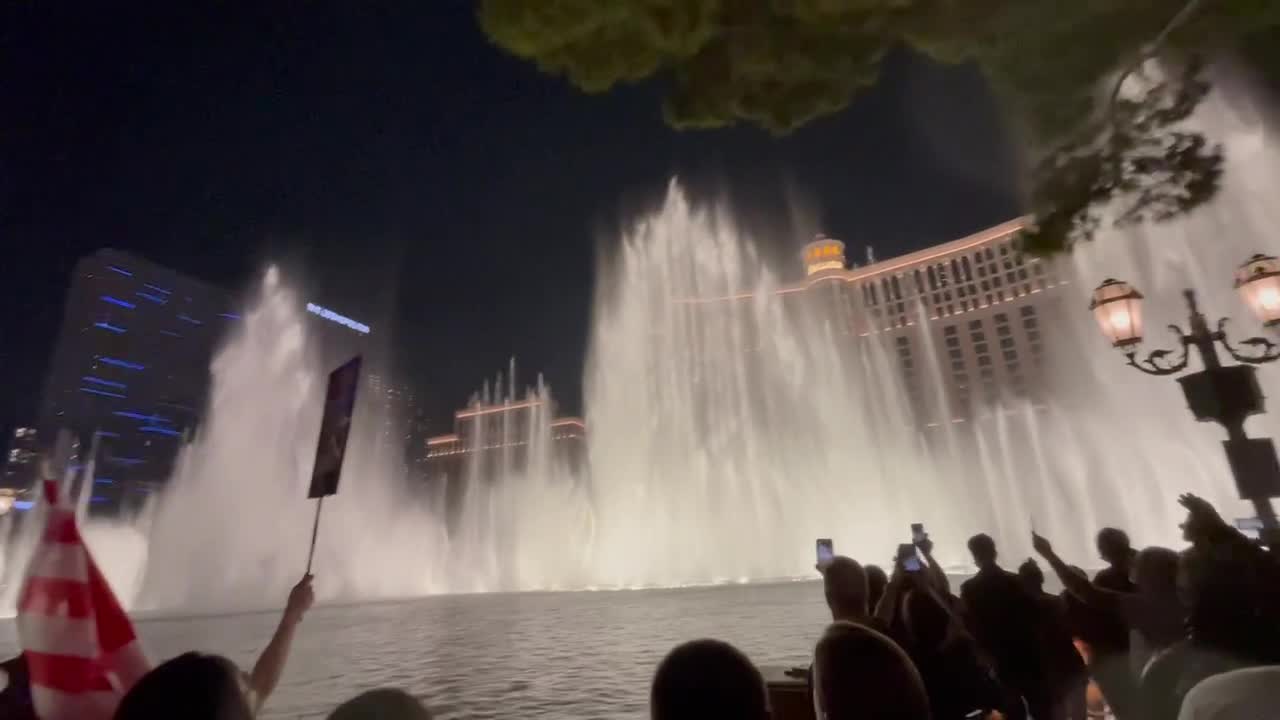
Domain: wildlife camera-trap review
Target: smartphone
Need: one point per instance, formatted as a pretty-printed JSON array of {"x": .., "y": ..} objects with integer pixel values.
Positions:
[
  {"x": 907, "y": 556},
  {"x": 826, "y": 552},
  {"x": 917, "y": 533}
]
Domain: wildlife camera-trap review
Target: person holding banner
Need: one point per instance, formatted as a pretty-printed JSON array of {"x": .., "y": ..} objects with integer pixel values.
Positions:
[{"x": 210, "y": 687}]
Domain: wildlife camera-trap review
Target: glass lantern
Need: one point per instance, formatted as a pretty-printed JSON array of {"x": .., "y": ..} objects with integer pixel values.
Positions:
[
  {"x": 1117, "y": 307},
  {"x": 1258, "y": 282}
]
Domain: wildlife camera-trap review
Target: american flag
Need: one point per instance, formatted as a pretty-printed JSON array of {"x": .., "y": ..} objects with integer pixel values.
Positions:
[{"x": 79, "y": 644}]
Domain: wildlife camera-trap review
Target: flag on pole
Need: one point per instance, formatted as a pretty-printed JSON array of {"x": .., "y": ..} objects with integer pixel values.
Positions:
[{"x": 81, "y": 650}]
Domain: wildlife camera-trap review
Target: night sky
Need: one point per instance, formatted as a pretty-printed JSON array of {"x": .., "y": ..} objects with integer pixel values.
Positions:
[{"x": 419, "y": 178}]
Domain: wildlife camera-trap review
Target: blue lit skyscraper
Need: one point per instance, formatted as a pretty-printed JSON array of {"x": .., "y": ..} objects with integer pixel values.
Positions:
[{"x": 131, "y": 369}]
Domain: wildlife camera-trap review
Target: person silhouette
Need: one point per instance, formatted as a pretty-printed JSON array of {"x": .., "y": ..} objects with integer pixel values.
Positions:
[{"x": 1003, "y": 617}]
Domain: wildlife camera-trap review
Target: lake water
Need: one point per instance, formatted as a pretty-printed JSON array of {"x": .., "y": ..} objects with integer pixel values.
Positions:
[{"x": 554, "y": 655}]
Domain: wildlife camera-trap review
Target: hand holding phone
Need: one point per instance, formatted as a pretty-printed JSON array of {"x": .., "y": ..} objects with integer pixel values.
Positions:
[
  {"x": 908, "y": 560},
  {"x": 826, "y": 552}
]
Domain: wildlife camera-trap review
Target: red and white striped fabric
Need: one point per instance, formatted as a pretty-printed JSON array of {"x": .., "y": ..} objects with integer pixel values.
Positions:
[{"x": 80, "y": 646}]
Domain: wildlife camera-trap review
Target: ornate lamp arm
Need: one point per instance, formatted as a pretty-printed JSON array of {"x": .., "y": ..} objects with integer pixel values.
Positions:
[
  {"x": 1265, "y": 351},
  {"x": 1157, "y": 363}
]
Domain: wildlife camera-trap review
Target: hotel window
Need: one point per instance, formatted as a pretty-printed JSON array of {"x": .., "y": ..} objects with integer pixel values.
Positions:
[
  {"x": 957, "y": 365},
  {"x": 1006, "y": 342},
  {"x": 980, "y": 348},
  {"x": 955, "y": 353},
  {"x": 1010, "y": 356},
  {"x": 995, "y": 282},
  {"x": 897, "y": 288},
  {"x": 949, "y": 330},
  {"x": 1004, "y": 250},
  {"x": 1027, "y": 311},
  {"x": 919, "y": 282},
  {"x": 984, "y": 360},
  {"x": 975, "y": 324},
  {"x": 953, "y": 341},
  {"x": 990, "y": 256},
  {"x": 1003, "y": 330},
  {"x": 1033, "y": 335},
  {"x": 933, "y": 279},
  {"x": 982, "y": 271},
  {"x": 1002, "y": 318},
  {"x": 1022, "y": 273}
]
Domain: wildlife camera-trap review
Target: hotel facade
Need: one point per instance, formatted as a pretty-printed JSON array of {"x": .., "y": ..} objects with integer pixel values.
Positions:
[{"x": 962, "y": 319}]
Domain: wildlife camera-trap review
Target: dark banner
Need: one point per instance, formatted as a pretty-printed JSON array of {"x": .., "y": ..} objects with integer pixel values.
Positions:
[{"x": 339, "y": 405}]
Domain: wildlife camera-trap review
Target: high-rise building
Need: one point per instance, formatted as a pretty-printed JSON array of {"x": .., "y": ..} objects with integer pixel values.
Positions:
[
  {"x": 130, "y": 371},
  {"x": 20, "y": 469},
  {"x": 963, "y": 317}
]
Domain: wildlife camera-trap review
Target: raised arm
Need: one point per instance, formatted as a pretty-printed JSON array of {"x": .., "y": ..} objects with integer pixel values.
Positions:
[
  {"x": 1076, "y": 584},
  {"x": 937, "y": 576},
  {"x": 270, "y": 666},
  {"x": 888, "y": 605}
]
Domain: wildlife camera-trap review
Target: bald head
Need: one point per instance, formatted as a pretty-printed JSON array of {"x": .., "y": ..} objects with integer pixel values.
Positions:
[
  {"x": 845, "y": 584},
  {"x": 859, "y": 673}
]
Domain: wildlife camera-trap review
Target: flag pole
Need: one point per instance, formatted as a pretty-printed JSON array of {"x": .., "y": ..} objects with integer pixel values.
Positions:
[{"x": 315, "y": 528}]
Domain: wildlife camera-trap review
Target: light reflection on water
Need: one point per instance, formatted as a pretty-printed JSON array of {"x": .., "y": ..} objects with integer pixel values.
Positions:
[{"x": 561, "y": 655}]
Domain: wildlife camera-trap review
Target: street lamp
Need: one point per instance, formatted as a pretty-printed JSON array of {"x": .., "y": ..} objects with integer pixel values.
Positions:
[{"x": 1228, "y": 394}]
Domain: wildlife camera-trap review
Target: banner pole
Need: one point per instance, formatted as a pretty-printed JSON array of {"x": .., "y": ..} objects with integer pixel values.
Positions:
[{"x": 315, "y": 528}]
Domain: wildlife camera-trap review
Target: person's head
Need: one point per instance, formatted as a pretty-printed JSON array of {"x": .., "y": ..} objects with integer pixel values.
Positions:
[
  {"x": 877, "y": 581},
  {"x": 1114, "y": 547},
  {"x": 859, "y": 673},
  {"x": 193, "y": 685},
  {"x": 983, "y": 549},
  {"x": 845, "y": 584},
  {"x": 1031, "y": 576},
  {"x": 1155, "y": 571},
  {"x": 926, "y": 619},
  {"x": 381, "y": 704},
  {"x": 704, "y": 679}
]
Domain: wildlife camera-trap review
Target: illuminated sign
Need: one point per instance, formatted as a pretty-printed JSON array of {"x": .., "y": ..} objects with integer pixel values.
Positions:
[{"x": 332, "y": 316}]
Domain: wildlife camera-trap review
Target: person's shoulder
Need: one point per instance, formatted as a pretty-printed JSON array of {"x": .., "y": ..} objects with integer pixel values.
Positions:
[{"x": 1235, "y": 695}]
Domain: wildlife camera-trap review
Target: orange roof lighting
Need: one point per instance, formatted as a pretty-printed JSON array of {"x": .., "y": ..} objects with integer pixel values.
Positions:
[{"x": 490, "y": 409}]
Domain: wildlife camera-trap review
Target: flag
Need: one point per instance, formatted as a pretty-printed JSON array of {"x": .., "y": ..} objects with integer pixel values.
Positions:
[{"x": 81, "y": 650}]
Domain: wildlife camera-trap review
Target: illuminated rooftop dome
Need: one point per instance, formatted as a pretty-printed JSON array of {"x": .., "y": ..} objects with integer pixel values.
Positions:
[{"x": 822, "y": 254}]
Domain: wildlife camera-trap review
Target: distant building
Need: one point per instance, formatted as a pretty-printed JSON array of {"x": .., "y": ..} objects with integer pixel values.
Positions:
[
  {"x": 966, "y": 312},
  {"x": 20, "y": 470},
  {"x": 130, "y": 371},
  {"x": 490, "y": 439}
]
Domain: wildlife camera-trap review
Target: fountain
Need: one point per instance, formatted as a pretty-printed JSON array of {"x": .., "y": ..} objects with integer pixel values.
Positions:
[
  {"x": 232, "y": 528},
  {"x": 722, "y": 438}
]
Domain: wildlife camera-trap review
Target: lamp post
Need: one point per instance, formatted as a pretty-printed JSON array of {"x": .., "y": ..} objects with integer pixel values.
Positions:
[{"x": 1226, "y": 394}]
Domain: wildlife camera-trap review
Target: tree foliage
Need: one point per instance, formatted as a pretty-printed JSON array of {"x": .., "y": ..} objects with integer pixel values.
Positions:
[{"x": 780, "y": 64}]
